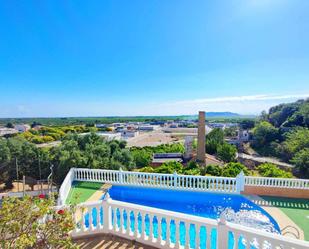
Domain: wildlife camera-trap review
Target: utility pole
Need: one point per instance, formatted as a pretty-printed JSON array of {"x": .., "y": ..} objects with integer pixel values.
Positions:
[
  {"x": 40, "y": 172},
  {"x": 201, "y": 137},
  {"x": 17, "y": 173},
  {"x": 50, "y": 179}
]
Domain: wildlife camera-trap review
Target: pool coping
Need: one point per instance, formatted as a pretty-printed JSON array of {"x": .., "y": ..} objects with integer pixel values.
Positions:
[{"x": 287, "y": 226}]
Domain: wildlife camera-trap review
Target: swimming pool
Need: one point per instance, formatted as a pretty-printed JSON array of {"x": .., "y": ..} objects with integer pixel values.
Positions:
[{"x": 204, "y": 204}]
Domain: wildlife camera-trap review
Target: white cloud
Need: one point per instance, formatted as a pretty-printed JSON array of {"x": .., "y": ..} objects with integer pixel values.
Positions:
[
  {"x": 261, "y": 97},
  {"x": 248, "y": 104}
]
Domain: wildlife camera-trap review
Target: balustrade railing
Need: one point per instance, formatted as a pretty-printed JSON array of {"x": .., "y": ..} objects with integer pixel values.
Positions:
[
  {"x": 205, "y": 183},
  {"x": 166, "y": 229},
  {"x": 277, "y": 182},
  {"x": 66, "y": 187},
  {"x": 175, "y": 181}
]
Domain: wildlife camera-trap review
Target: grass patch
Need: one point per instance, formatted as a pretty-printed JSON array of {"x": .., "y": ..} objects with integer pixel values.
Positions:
[
  {"x": 296, "y": 209},
  {"x": 82, "y": 191}
]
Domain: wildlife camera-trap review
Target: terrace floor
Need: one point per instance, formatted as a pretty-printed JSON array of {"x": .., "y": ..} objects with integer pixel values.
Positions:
[{"x": 104, "y": 241}]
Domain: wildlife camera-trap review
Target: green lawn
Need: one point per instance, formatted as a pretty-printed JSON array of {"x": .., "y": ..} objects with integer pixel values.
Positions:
[
  {"x": 296, "y": 209},
  {"x": 82, "y": 191}
]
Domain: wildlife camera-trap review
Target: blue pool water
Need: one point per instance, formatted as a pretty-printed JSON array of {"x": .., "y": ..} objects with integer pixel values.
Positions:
[{"x": 202, "y": 204}]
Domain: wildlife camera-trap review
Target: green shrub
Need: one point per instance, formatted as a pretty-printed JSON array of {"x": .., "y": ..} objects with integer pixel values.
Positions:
[
  {"x": 192, "y": 165},
  {"x": 301, "y": 161},
  {"x": 170, "y": 168},
  {"x": 226, "y": 152},
  {"x": 195, "y": 172},
  {"x": 271, "y": 170},
  {"x": 142, "y": 158},
  {"x": 233, "y": 169},
  {"x": 214, "y": 170},
  {"x": 146, "y": 169}
]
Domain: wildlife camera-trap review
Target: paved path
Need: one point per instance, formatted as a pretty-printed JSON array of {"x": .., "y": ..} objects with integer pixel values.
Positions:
[
  {"x": 265, "y": 160},
  {"x": 108, "y": 242}
]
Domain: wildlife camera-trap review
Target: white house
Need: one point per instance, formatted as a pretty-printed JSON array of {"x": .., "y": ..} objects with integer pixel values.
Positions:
[
  {"x": 22, "y": 127},
  {"x": 129, "y": 133}
]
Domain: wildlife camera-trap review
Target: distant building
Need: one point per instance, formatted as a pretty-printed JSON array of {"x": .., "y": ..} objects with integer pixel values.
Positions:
[
  {"x": 217, "y": 125},
  {"x": 110, "y": 136},
  {"x": 120, "y": 128},
  {"x": 101, "y": 125},
  {"x": 37, "y": 127},
  {"x": 7, "y": 131},
  {"x": 131, "y": 127},
  {"x": 161, "y": 123},
  {"x": 148, "y": 127},
  {"x": 159, "y": 158},
  {"x": 173, "y": 125},
  {"x": 22, "y": 127},
  {"x": 188, "y": 147},
  {"x": 129, "y": 133},
  {"x": 243, "y": 135},
  {"x": 117, "y": 124}
]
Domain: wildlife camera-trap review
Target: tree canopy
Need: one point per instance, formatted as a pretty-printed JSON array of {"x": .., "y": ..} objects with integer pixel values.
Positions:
[
  {"x": 34, "y": 223},
  {"x": 290, "y": 114}
]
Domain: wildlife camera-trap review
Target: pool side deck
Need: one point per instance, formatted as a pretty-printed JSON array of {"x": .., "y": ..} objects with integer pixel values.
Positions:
[
  {"x": 96, "y": 196},
  {"x": 287, "y": 226}
]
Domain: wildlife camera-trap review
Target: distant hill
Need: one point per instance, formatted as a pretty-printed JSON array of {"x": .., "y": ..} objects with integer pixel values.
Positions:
[
  {"x": 220, "y": 116},
  {"x": 223, "y": 114}
]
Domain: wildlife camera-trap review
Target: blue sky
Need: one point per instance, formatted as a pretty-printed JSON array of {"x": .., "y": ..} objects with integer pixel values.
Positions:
[{"x": 92, "y": 58}]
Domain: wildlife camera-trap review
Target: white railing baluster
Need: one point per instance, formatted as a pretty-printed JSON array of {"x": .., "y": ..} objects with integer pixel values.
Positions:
[
  {"x": 150, "y": 227},
  {"x": 177, "y": 233},
  {"x": 159, "y": 218},
  {"x": 223, "y": 228},
  {"x": 168, "y": 232},
  {"x": 187, "y": 236}
]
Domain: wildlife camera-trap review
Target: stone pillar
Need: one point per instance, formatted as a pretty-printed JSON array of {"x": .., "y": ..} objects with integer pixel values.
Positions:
[{"x": 201, "y": 138}]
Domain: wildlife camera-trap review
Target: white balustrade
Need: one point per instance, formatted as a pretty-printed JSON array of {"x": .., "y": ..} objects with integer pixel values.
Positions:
[
  {"x": 171, "y": 181},
  {"x": 167, "y": 229},
  {"x": 277, "y": 182},
  {"x": 175, "y": 181},
  {"x": 65, "y": 187}
]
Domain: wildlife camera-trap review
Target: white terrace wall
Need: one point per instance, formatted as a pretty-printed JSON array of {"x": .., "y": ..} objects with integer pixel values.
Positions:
[{"x": 280, "y": 187}]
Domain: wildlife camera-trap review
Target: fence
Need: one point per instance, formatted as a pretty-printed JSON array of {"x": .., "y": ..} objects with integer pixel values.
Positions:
[
  {"x": 27, "y": 192},
  {"x": 175, "y": 181},
  {"x": 166, "y": 229},
  {"x": 277, "y": 182}
]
